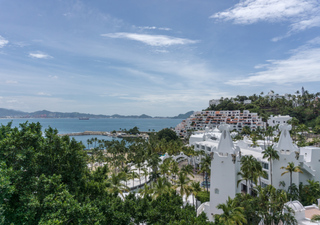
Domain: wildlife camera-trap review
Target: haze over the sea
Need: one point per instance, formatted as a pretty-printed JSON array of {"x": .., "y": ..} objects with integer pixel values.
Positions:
[{"x": 159, "y": 58}]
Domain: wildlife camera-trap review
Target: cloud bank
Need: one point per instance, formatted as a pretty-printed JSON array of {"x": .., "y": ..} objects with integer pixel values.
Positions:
[
  {"x": 301, "y": 14},
  {"x": 302, "y": 66},
  {"x": 153, "y": 40},
  {"x": 153, "y": 28},
  {"x": 3, "y": 42},
  {"x": 39, "y": 55}
]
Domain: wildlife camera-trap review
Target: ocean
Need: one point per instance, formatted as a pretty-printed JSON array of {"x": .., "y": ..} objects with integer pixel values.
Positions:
[{"x": 75, "y": 125}]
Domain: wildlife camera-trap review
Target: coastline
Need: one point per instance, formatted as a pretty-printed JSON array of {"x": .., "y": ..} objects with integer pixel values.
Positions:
[{"x": 106, "y": 133}]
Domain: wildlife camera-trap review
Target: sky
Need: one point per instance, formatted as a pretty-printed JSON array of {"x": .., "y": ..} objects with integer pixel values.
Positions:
[{"x": 157, "y": 57}]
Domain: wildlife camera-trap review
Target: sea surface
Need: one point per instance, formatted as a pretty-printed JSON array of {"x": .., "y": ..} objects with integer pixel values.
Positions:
[{"x": 75, "y": 125}]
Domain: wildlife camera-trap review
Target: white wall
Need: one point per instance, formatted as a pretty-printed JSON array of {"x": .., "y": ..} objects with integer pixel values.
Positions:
[{"x": 224, "y": 178}]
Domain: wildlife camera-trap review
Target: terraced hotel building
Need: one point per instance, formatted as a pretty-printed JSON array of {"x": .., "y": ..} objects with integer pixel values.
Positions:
[{"x": 212, "y": 119}]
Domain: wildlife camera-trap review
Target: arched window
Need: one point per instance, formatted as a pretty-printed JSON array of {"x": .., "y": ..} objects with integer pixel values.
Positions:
[{"x": 216, "y": 191}]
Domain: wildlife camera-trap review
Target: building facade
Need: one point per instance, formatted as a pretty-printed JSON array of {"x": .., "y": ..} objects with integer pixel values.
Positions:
[
  {"x": 225, "y": 165},
  {"x": 212, "y": 119}
]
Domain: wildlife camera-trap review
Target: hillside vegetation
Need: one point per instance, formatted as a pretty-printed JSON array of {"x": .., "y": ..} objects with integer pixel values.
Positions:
[{"x": 305, "y": 108}]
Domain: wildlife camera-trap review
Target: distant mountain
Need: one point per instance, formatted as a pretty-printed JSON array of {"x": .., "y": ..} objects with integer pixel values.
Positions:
[
  {"x": 11, "y": 112},
  {"x": 183, "y": 116},
  {"x": 47, "y": 114}
]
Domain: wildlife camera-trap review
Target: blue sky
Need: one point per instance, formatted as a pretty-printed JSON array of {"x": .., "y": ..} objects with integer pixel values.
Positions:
[{"x": 155, "y": 57}]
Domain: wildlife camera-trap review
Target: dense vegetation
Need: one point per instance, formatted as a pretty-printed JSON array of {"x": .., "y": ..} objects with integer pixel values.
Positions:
[
  {"x": 47, "y": 180},
  {"x": 306, "y": 107}
]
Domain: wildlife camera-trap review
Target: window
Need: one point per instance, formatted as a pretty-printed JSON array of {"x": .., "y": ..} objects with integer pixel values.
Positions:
[
  {"x": 263, "y": 185},
  {"x": 265, "y": 165},
  {"x": 267, "y": 177},
  {"x": 216, "y": 191},
  {"x": 197, "y": 146}
]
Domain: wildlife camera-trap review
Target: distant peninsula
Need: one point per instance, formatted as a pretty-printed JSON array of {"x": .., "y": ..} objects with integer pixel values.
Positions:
[{"x": 10, "y": 113}]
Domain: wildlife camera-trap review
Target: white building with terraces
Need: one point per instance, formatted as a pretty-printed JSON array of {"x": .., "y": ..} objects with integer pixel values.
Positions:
[
  {"x": 225, "y": 164},
  {"x": 212, "y": 119}
]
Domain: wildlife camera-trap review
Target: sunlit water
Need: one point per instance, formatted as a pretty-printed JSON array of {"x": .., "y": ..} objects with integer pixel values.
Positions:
[{"x": 75, "y": 125}]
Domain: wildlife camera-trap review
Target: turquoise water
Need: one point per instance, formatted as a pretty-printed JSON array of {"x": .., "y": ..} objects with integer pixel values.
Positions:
[{"x": 75, "y": 125}]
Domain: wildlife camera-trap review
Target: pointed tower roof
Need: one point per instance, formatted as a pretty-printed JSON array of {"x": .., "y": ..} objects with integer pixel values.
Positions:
[
  {"x": 225, "y": 143},
  {"x": 216, "y": 130},
  {"x": 285, "y": 141}
]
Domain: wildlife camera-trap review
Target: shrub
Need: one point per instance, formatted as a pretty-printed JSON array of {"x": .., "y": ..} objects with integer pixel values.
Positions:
[{"x": 203, "y": 196}]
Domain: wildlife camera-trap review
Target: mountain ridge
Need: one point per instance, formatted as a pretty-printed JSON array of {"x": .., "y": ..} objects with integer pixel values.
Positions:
[{"x": 48, "y": 114}]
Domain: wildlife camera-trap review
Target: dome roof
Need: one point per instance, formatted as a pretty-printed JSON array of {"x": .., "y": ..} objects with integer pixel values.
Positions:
[{"x": 295, "y": 205}]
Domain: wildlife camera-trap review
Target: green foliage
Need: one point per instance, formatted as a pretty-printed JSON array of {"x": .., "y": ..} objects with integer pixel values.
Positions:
[
  {"x": 46, "y": 180},
  {"x": 203, "y": 196},
  {"x": 305, "y": 108},
  {"x": 267, "y": 205},
  {"x": 167, "y": 134},
  {"x": 133, "y": 131},
  {"x": 306, "y": 194}
]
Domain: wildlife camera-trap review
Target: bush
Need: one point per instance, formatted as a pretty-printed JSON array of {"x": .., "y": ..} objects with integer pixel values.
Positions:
[
  {"x": 167, "y": 134},
  {"x": 133, "y": 131},
  {"x": 203, "y": 196}
]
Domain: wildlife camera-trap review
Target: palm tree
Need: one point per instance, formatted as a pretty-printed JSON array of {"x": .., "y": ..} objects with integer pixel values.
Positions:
[
  {"x": 182, "y": 183},
  {"x": 250, "y": 167},
  {"x": 145, "y": 173},
  {"x": 145, "y": 191},
  {"x": 195, "y": 190},
  {"x": 231, "y": 213},
  {"x": 205, "y": 166},
  {"x": 174, "y": 168},
  {"x": 164, "y": 169},
  {"x": 187, "y": 169},
  {"x": 290, "y": 168},
  {"x": 162, "y": 186},
  {"x": 244, "y": 176},
  {"x": 116, "y": 185},
  {"x": 132, "y": 175},
  {"x": 271, "y": 154}
]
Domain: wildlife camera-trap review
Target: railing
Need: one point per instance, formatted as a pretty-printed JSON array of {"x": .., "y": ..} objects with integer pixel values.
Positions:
[{"x": 202, "y": 207}]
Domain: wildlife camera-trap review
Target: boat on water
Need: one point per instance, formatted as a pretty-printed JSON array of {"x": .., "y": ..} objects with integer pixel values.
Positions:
[{"x": 83, "y": 118}]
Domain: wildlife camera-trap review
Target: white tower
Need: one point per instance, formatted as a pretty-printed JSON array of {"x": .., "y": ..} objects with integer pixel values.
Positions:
[{"x": 224, "y": 167}]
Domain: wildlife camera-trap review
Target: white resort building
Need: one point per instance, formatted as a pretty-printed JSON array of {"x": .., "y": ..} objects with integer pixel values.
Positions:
[
  {"x": 225, "y": 165},
  {"x": 212, "y": 119},
  {"x": 275, "y": 120}
]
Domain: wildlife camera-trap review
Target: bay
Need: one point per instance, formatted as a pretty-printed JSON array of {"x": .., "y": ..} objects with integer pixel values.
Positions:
[{"x": 75, "y": 125}]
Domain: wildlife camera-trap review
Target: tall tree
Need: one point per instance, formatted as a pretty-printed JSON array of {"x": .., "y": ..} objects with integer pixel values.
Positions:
[
  {"x": 271, "y": 154},
  {"x": 231, "y": 214},
  {"x": 291, "y": 168}
]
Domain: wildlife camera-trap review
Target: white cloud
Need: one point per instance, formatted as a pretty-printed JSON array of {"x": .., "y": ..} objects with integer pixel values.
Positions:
[
  {"x": 1, "y": 97},
  {"x": 148, "y": 28},
  {"x": 54, "y": 77},
  {"x": 43, "y": 94},
  {"x": 12, "y": 101},
  {"x": 153, "y": 40},
  {"x": 302, "y": 14},
  {"x": 3, "y": 42},
  {"x": 21, "y": 44},
  {"x": 161, "y": 51},
  {"x": 40, "y": 55},
  {"x": 164, "y": 28},
  {"x": 302, "y": 66},
  {"x": 153, "y": 28}
]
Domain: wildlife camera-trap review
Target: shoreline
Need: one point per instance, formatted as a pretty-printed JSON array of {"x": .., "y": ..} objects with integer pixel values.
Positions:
[{"x": 106, "y": 133}]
